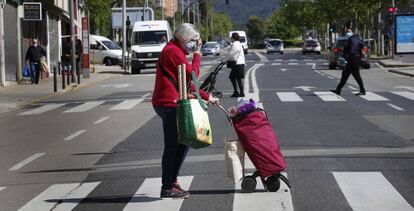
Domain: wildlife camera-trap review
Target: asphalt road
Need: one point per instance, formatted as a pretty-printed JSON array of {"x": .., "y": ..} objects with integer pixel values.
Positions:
[{"x": 99, "y": 148}]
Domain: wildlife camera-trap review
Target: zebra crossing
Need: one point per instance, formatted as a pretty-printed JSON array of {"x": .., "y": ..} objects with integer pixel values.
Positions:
[
  {"x": 362, "y": 191},
  {"x": 86, "y": 106},
  {"x": 328, "y": 96}
]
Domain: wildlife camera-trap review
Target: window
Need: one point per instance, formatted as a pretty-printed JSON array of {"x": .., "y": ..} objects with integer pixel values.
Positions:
[
  {"x": 111, "y": 45},
  {"x": 149, "y": 37}
]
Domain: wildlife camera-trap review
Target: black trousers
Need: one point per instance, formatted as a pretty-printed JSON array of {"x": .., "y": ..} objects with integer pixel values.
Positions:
[{"x": 351, "y": 68}]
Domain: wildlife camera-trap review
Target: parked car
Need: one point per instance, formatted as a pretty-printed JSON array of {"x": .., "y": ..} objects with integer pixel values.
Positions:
[
  {"x": 336, "y": 53},
  {"x": 311, "y": 45},
  {"x": 210, "y": 48},
  {"x": 274, "y": 46},
  {"x": 105, "y": 51}
]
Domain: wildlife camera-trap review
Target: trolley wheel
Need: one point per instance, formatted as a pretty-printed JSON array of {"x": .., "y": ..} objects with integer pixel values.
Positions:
[
  {"x": 248, "y": 184},
  {"x": 218, "y": 94},
  {"x": 273, "y": 183}
]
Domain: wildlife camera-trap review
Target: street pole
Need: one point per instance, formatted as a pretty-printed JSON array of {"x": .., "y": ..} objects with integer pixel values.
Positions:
[
  {"x": 162, "y": 9},
  {"x": 174, "y": 11},
  {"x": 19, "y": 45},
  {"x": 124, "y": 44},
  {"x": 72, "y": 40},
  {"x": 2, "y": 58}
]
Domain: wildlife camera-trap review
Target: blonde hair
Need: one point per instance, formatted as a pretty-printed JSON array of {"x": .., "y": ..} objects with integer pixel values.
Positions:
[{"x": 185, "y": 32}]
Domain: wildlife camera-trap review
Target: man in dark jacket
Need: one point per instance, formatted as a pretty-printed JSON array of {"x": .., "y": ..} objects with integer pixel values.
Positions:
[
  {"x": 34, "y": 54},
  {"x": 352, "y": 54}
]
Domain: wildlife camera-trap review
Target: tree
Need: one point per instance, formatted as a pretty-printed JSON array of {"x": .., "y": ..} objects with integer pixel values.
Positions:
[
  {"x": 255, "y": 29},
  {"x": 279, "y": 27},
  {"x": 100, "y": 15},
  {"x": 222, "y": 25}
]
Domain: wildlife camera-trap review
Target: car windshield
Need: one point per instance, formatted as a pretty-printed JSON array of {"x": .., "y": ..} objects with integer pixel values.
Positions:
[
  {"x": 149, "y": 37},
  {"x": 111, "y": 45},
  {"x": 311, "y": 43},
  {"x": 275, "y": 42},
  {"x": 242, "y": 39},
  {"x": 210, "y": 45},
  {"x": 340, "y": 43}
]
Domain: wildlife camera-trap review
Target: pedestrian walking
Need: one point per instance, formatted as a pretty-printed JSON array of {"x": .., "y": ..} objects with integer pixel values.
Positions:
[
  {"x": 186, "y": 40},
  {"x": 236, "y": 62},
  {"x": 352, "y": 54},
  {"x": 66, "y": 57},
  {"x": 35, "y": 53}
]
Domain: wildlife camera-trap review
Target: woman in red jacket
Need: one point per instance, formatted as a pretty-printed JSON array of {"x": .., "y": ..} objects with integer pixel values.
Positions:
[{"x": 185, "y": 40}]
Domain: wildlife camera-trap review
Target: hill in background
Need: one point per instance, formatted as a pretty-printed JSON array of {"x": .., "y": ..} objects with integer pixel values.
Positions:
[{"x": 241, "y": 10}]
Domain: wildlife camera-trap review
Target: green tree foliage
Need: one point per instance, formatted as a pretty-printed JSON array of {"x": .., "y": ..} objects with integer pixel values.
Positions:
[
  {"x": 222, "y": 25},
  {"x": 100, "y": 15},
  {"x": 279, "y": 27},
  {"x": 255, "y": 29}
]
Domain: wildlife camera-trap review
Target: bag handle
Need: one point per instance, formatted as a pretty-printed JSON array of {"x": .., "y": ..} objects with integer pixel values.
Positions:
[{"x": 197, "y": 91}]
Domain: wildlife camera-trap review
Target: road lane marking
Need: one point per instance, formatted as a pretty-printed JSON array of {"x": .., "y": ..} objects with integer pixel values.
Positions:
[
  {"x": 330, "y": 77},
  {"x": 370, "y": 96},
  {"x": 406, "y": 94},
  {"x": 307, "y": 60},
  {"x": 273, "y": 64},
  {"x": 353, "y": 88},
  {"x": 60, "y": 197},
  {"x": 128, "y": 104},
  {"x": 26, "y": 161},
  {"x": 293, "y": 60},
  {"x": 2, "y": 188},
  {"x": 43, "y": 109},
  {"x": 251, "y": 73},
  {"x": 323, "y": 60},
  {"x": 278, "y": 60},
  {"x": 395, "y": 107},
  {"x": 289, "y": 97},
  {"x": 261, "y": 200},
  {"x": 262, "y": 58},
  {"x": 283, "y": 70},
  {"x": 206, "y": 67},
  {"x": 293, "y": 63},
  {"x": 76, "y": 134},
  {"x": 329, "y": 96},
  {"x": 101, "y": 120},
  {"x": 370, "y": 191},
  {"x": 148, "y": 196},
  {"x": 325, "y": 63},
  {"x": 84, "y": 107}
]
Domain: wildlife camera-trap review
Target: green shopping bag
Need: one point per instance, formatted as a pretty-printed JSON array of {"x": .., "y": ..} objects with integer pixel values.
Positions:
[{"x": 193, "y": 124}]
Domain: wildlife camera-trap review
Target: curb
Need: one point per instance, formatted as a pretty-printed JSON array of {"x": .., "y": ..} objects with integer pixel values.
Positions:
[
  {"x": 401, "y": 73},
  {"x": 384, "y": 64}
]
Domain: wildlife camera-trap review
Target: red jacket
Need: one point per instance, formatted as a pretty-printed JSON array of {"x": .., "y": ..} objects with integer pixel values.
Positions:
[{"x": 165, "y": 93}]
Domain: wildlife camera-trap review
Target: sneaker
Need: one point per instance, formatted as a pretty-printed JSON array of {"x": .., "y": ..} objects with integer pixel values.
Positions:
[
  {"x": 178, "y": 187},
  {"x": 174, "y": 193},
  {"x": 336, "y": 91}
]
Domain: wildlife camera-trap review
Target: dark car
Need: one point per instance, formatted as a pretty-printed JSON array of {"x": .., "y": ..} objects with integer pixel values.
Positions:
[{"x": 335, "y": 56}]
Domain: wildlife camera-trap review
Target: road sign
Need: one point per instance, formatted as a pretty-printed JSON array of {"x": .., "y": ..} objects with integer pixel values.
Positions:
[{"x": 32, "y": 11}]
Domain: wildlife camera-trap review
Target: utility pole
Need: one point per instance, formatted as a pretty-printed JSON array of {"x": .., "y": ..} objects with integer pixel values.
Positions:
[
  {"x": 162, "y": 9},
  {"x": 124, "y": 44},
  {"x": 72, "y": 40},
  {"x": 174, "y": 11},
  {"x": 2, "y": 58}
]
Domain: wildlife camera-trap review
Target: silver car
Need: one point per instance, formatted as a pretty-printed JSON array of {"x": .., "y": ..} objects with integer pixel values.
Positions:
[
  {"x": 274, "y": 46},
  {"x": 210, "y": 48}
]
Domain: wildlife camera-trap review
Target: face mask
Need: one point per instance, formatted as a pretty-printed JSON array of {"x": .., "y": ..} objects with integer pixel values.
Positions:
[
  {"x": 348, "y": 34},
  {"x": 190, "y": 46}
]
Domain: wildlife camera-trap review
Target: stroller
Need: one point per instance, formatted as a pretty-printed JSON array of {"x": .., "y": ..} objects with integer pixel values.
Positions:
[{"x": 259, "y": 142}]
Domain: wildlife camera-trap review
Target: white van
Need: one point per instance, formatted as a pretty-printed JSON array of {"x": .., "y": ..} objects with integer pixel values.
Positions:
[
  {"x": 147, "y": 41},
  {"x": 243, "y": 40},
  {"x": 104, "y": 50}
]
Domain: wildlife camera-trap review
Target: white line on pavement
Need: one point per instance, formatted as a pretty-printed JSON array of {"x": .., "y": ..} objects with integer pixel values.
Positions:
[
  {"x": 406, "y": 94},
  {"x": 289, "y": 97},
  {"x": 329, "y": 96},
  {"x": 76, "y": 134},
  {"x": 101, "y": 120},
  {"x": 2, "y": 188},
  {"x": 26, "y": 161},
  {"x": 262, "y": 58},
  {"x": 42, "y": 109},
  {"x": 325, "y": 63},
  {"x": 60, "y": 197},
  {"x": 293, "y": 60},
  {"x": 84, "y": 107},
  {"x": 395, "y": 107},
  {"x": 353, "y": 88},
  {"x": 261, "y": 200},
  {"x": 128, "y": 104},
  {"x": 330, "y": 77},
  {"x": 278, "y": 60},
  {"x": 370, "y": 191},
  {"x": 273, "y": 64},
  {"x": 148, "y": 196},
  {"x": 283, "y": 70},
  {"x": 251, "y": 73},
  {"x": 293, "y": 63},
  {"x": 370, "y": 96}
]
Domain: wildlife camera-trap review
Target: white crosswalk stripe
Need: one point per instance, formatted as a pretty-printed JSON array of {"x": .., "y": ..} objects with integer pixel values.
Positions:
[
  {"x": 289, "y": 97},
  {"x": 43, "y": 109},
  {"x": 84, "y": 107},
  {"x": 370, "y": 96},
  {"x": 149, "y": 194},
  {"x": 128, "y": 104},
  {"x": 406, "y": 94},
  {"x": 370, "y": 191},
  {"x": 2, "y": 188},
  {"x": 329, "y": 97},
  {"x": 261, "y": 200},
  {"x": 55, "y": 196}
]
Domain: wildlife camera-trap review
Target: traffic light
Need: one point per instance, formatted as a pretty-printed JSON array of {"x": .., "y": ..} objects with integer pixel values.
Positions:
[
  {"x": 332, "y": 28},
  {"x": 392, "y": 9}
]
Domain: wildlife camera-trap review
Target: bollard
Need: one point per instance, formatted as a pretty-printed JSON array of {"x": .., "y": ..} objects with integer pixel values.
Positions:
[
  {"x": 68, "y": 74},
  {"x": 78, "y": 74},
  {"x": 63, "y": 78},
  {"x": 59, "y": 68},
  {"x": 54, "y": 79}
]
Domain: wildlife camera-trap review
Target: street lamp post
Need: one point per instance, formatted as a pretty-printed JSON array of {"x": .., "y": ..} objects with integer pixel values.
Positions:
[{"x": 2, "y": 58}]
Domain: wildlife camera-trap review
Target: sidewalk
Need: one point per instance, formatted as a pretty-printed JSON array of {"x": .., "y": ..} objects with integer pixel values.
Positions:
[
  {"x": 398, "y": 67},
  {"x": 17, "y": 95}
]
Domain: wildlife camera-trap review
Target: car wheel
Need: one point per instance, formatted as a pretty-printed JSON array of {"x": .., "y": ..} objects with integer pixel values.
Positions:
[
  {"x": 281, "y": 52},
  {"x": 135, "y": 71},
  {"x": 108, "y": 62},
  {"x": 332, "y": 66}
]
